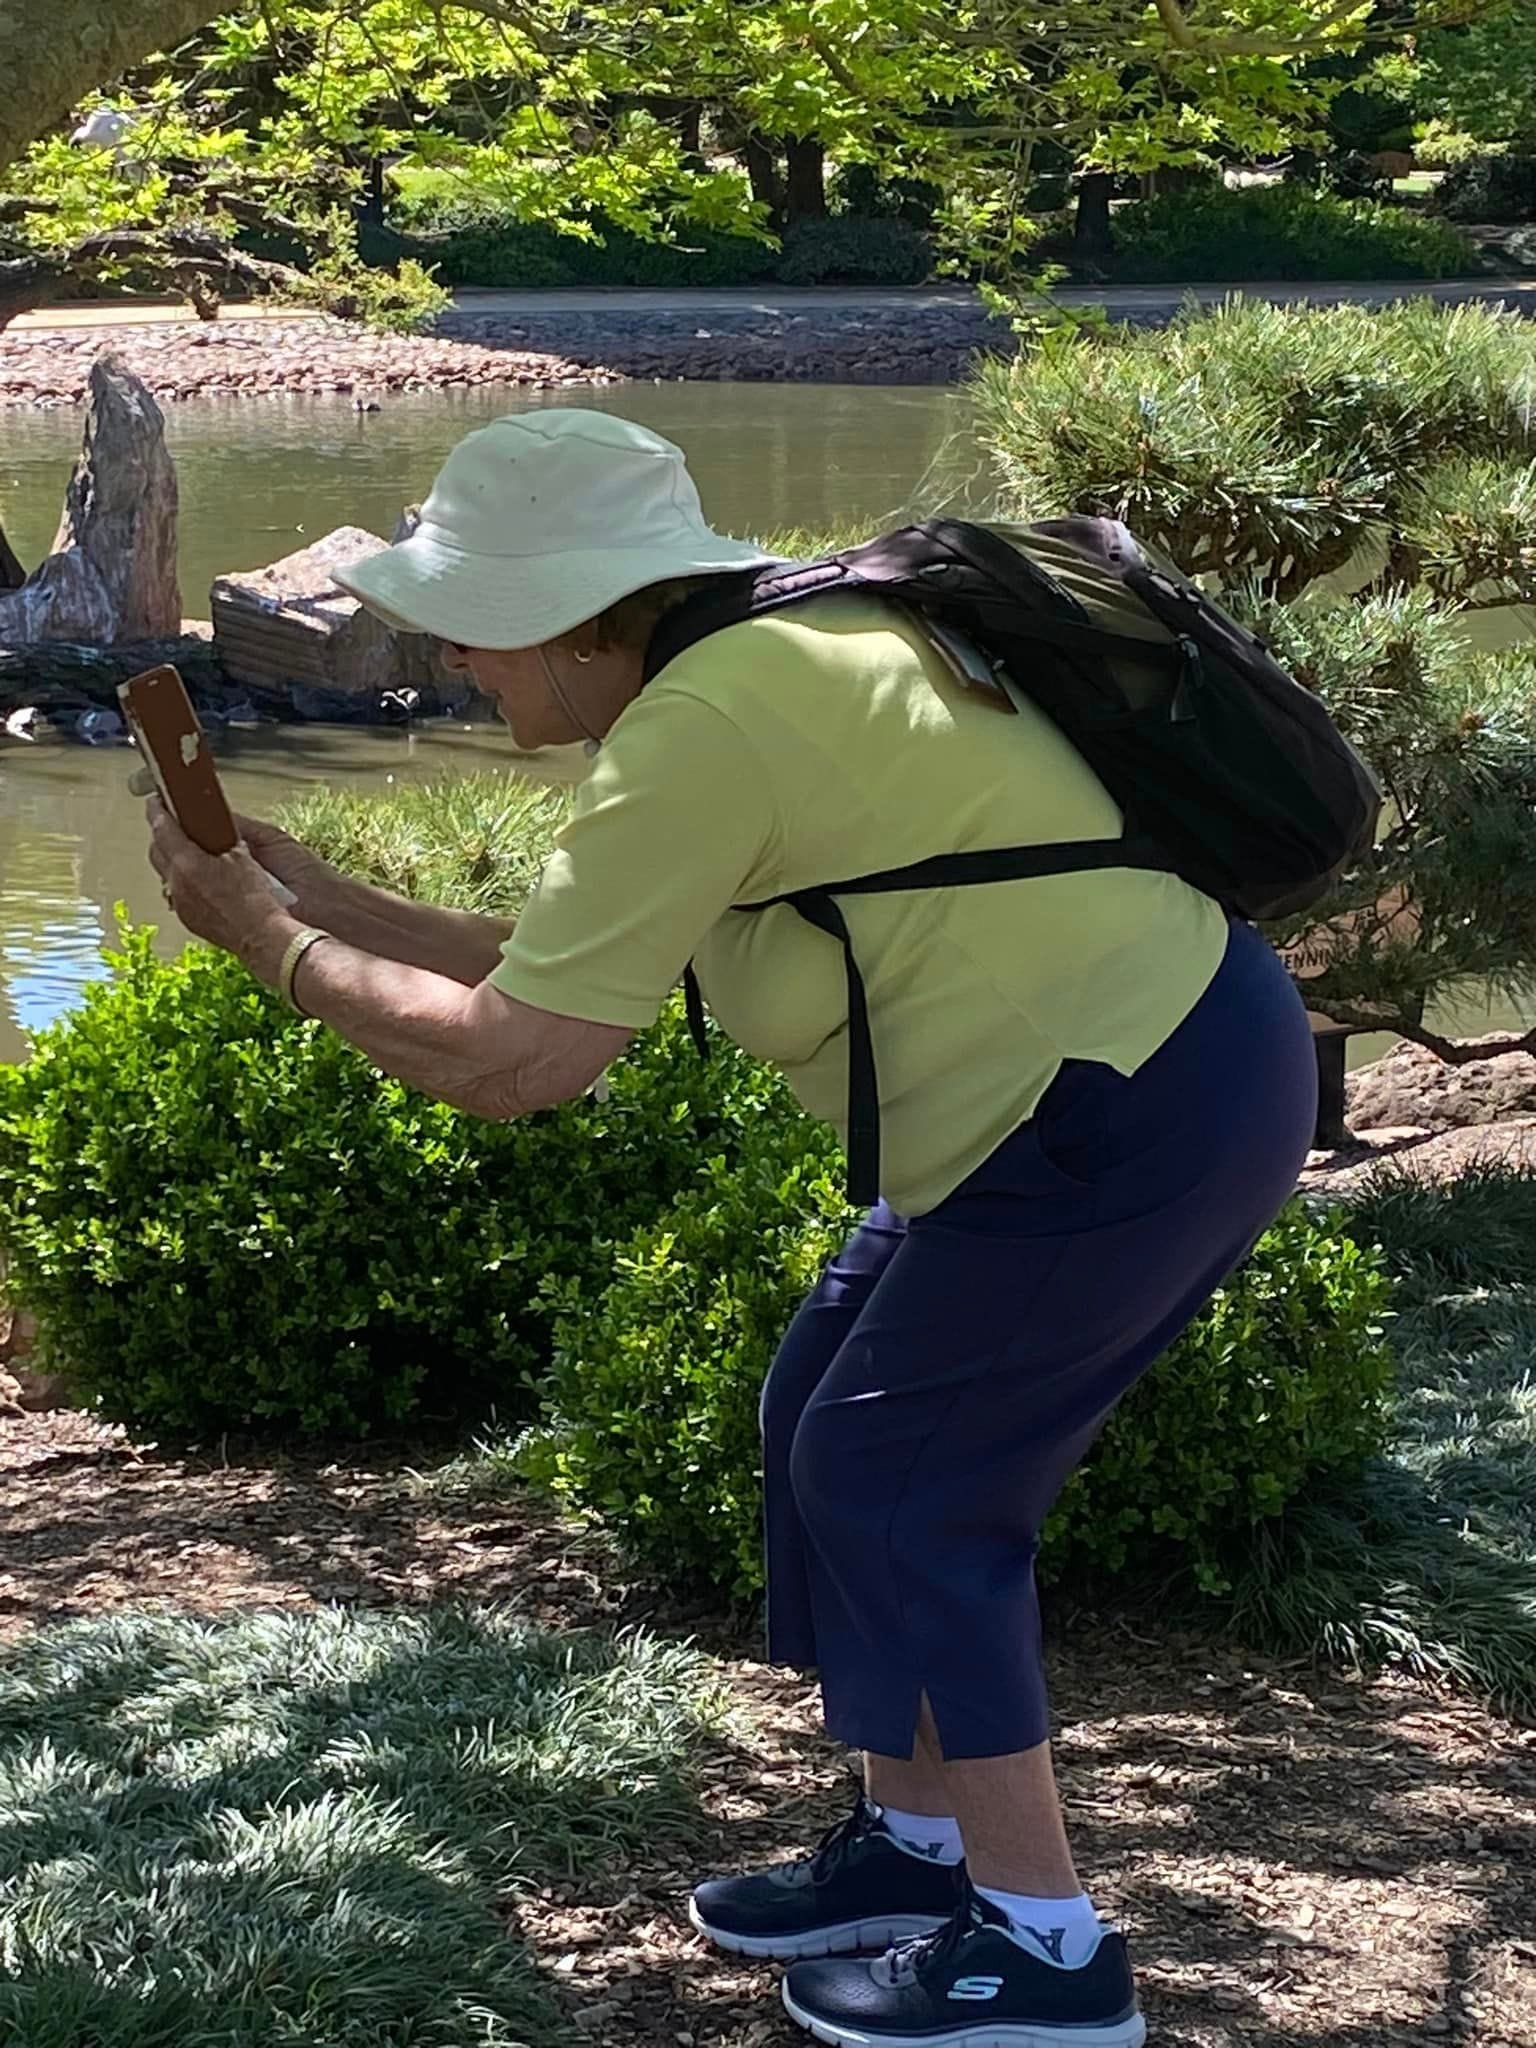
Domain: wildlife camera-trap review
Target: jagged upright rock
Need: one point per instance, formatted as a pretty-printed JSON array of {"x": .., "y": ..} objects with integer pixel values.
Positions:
[{"x": 112, "y": 573}]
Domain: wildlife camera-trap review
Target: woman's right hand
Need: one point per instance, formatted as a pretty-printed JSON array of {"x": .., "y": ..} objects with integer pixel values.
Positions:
[{"x": 293, "y": 863}]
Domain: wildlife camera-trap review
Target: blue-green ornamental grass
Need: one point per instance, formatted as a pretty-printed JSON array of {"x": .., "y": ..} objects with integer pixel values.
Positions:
[{"x": 294, "y": 1830}]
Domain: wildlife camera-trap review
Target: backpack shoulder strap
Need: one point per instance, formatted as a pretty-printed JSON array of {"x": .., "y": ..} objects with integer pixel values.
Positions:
[
  {"x": 730, "y": 600},
  {"x": 942, "y": 566}
]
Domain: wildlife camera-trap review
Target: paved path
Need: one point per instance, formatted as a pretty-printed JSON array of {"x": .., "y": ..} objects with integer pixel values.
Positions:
[{"x": 1130, "y": 302}]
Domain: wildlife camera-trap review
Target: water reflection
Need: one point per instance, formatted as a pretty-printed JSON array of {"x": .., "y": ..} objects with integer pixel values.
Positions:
[
  {"x": 50, "y": 929},
  {"x": 260, "y": 478},
  {"x": 72, "y": 841}
]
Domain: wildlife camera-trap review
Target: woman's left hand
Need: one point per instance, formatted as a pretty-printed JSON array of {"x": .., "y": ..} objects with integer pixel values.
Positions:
[{"x": 225, "y": 898}]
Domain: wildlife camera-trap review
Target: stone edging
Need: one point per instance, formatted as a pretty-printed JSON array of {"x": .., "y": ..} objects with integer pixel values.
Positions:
[{"x": 546, "y": 350}]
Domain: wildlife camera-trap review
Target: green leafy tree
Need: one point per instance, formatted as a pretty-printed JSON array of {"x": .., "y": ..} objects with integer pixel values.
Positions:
[
  {"x": 1476, "y": 78},
  {"x": 575, "y": 115}
]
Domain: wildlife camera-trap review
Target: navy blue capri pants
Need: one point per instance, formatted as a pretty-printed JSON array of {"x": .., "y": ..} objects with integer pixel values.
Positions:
[{"x": 948, "y": 1373}]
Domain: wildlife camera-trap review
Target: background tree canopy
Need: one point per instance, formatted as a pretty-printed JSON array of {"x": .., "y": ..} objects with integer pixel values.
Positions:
[{"x": 665, "y": 119}]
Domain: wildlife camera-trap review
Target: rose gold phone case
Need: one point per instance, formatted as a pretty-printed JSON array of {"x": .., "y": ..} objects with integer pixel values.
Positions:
[{"x": 160, "y": 716}]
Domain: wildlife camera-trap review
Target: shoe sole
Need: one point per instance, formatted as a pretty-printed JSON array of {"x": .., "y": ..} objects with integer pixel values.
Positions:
[
  {"x": 1130, "y": 2033},
  {"x": 848, "y": 1938}
]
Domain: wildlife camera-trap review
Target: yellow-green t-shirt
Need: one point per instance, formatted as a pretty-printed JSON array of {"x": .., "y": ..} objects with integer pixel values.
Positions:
[{"x": 829, "y": 741}]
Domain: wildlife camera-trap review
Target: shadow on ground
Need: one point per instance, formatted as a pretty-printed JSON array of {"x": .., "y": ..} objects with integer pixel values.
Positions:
[{"x": 1298, "y": 1857}]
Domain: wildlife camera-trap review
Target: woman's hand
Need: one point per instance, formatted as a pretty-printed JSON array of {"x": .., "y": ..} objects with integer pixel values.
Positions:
[
  {"x": 224, "y": 898},
  {"x": 294, "y": 864}
]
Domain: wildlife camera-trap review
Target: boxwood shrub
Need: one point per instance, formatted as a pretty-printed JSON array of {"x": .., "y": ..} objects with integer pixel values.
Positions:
[
  {"x": 1208, "y": 235},
  {"x": 223, "y": 1215},
  {"x": 844, "y": 250},
  {"x": 654, "y": 1389},
  {"x": 654, "y": 1392}
]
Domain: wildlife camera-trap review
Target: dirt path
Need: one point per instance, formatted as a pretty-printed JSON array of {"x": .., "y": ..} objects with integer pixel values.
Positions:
[{"x": 1299, "y": 1859}]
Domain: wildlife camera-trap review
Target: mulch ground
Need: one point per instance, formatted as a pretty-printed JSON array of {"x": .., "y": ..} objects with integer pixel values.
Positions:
[{"x": 1298, "y": 1858}]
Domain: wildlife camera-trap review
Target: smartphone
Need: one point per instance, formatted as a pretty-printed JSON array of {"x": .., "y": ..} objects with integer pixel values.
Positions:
[{"x": 159, "y": 714}]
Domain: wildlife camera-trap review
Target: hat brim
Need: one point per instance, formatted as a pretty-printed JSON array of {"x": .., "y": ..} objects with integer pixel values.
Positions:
[{"x": 424, "y": 585}]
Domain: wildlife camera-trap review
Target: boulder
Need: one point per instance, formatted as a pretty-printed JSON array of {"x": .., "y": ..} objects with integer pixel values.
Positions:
[
  {"x": 112, "y": 573},
  {"x": 25, "y": 1388},
  {"x": 1423, "y": 1155},
  {"x": 289, "y": 627},
  {"x": 1409, "y": 1086}
]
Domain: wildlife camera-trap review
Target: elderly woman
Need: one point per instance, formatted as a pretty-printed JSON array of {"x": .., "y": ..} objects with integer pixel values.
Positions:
[{"x": 1095, "y": 1091}]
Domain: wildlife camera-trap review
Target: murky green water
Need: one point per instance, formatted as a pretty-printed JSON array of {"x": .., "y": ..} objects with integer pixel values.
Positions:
[{"x": 260, "y": 478}]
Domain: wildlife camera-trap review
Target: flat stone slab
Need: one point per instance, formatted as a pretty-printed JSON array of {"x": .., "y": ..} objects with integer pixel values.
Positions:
[{"x": 289, "y": 624}]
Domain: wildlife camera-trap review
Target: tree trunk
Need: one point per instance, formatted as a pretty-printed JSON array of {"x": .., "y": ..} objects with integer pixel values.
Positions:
[
  {"x": 1092, "y": 243},
  {"x": 24, "y": 285},
  {"x": 1330, "y": 1049},
  {"x": 763, "y": 175},
  {"x": 12, "y": 574},
  {"x": 53, "y": 52},
  {"x": 372, "y": 210},
  {"x": 806, "y": 191}
]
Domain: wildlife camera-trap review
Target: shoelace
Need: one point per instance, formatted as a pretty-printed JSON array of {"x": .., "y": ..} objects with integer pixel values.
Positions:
[
  {"x": 831, "y": 1849},
  {"x": 903, "y": 1960}
]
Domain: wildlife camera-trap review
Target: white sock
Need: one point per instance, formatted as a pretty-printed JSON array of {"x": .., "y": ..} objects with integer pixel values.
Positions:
[
  {"x": 1066, "y": 1931},
  {"x": 935, "y": 1837}
]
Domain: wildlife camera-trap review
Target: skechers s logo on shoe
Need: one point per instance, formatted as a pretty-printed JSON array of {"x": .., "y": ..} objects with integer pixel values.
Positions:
[{"x": 975, "y": 1988}]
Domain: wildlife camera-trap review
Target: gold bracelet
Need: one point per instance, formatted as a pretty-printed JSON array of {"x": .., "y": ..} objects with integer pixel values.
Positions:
[{"x": 298, "y": 946}]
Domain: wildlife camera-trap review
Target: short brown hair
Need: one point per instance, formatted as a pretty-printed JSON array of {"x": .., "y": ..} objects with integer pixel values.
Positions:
[{"x": 632, "y": 621}]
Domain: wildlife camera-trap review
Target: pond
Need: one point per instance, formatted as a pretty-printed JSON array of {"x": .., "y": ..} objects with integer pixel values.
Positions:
[{"x": 260, "y": 478}]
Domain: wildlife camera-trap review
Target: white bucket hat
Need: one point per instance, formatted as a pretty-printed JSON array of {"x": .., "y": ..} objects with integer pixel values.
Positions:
[{"x": 538, "y": 522}]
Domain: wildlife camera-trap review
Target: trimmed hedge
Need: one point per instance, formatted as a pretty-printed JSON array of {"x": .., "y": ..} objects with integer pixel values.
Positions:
[
  {"x": 472, "y": 245},
  {"x": 847, "y": 251},
  {"x": 1208, "y": 235},
  {"x": 654, "y": 1390},
  {"x": 223, "y": 1215},
  {"x": 511, "y": 254}
]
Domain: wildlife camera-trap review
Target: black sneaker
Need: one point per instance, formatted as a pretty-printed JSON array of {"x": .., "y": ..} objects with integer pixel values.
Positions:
[
  {"x": 976, "y": 1985},
  {"x": 858, "y": 1893}
]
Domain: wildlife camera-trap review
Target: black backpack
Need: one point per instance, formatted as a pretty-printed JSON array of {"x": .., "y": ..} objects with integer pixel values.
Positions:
[{"x": 1228, "y": 772}]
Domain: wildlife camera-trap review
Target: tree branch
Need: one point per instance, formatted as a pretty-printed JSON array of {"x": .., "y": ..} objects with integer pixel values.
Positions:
[
  {"x": 187, "y": 255},
  {"x": 1175, "y": 26},
  {"x": 54, "y": 52},
  {"x": 1454, "y": 1051}
]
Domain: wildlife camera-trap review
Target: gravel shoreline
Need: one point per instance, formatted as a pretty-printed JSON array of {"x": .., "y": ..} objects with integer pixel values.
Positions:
[{"x": 839, "y": 345}]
